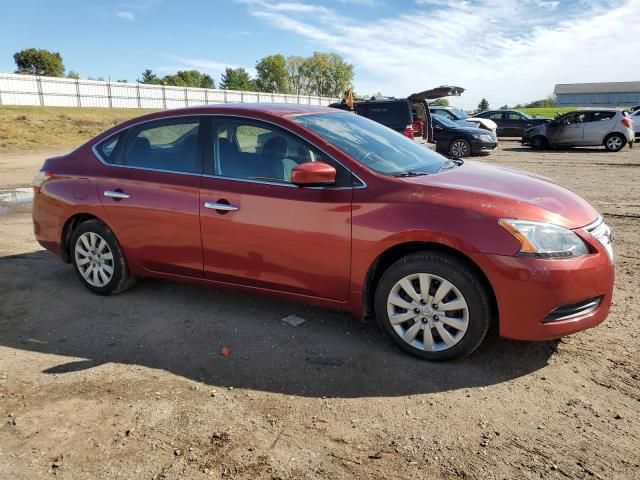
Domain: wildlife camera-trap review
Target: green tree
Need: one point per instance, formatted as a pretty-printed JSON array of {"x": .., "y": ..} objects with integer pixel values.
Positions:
[
  {"x": 189, "y": 78},
  {"x": 295, "y": 74},
  {"x": 236, "y": 79},
  {"x": 149, "y": 77},
  {"x": 34, "y": 61},
  {"x": 483, "y": 106},
  {"x": 504, "y": 107},
  {"x": 73, "y": 74},
  {"x": 272, "y": 74},
  {"x": 328, "y": 74},
  {"x": 340, "y": 75},
  {"x": 440, "y": 102}
]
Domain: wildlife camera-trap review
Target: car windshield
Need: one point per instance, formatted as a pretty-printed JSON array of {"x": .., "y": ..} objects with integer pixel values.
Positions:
[
  {"x": 374, "y": 145},
  {"x": 459, "y": 114},
  {"x": 445, "y": 121}
]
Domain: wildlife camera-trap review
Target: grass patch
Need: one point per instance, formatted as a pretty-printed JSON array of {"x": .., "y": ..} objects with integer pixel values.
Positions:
[
  {"x": 547, "y": 112},
  {"x": 37, "y": 128}
]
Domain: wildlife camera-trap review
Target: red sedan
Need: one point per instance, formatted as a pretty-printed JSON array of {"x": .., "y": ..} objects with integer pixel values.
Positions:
[{"x": 329, "y": 208}]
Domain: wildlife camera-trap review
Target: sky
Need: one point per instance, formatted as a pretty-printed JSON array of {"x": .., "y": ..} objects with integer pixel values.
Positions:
[{"x": 509, "y": 51}]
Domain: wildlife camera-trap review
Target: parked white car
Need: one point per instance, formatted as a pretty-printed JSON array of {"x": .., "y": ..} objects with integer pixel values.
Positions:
[
  {"x": 461, "y": 118},
  {"x": 610, "y": 128}
]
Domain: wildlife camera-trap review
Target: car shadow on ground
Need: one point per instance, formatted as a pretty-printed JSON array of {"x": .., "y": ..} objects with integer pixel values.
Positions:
[
  {"x": 182, "y": 328},
  {"x": 589, "y": 150}
]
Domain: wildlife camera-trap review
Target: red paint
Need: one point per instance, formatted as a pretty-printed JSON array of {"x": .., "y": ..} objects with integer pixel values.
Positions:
[
  {"x": 313, "y": 173},
  {"x": 319, "y": 244}
]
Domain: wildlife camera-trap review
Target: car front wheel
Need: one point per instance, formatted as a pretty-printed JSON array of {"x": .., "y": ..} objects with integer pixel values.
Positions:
[
  {"x": 614, "y": 142},
  {"x": 539, "y": 143},
  {"x": 460, "y": 148},
  {"x": 433, "y": 306},
  {"x": 98, "y": 260}
]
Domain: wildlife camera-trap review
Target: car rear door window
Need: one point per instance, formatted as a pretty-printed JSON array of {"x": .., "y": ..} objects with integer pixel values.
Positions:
[
  {"x": 251, "y": 150},
  {"x": 495, "y": 116},
  {"x": 167, "y": 145},
  {"x": 599, "y": 116}
]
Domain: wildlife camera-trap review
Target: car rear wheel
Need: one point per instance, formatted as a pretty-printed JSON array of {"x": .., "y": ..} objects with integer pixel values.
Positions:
[
  {"x": 98, "y": 260},
  {"x": 539, "y": 143},
  {"x": 433, "y": 306},
  {"x": 460, "y": 148},
  {"x": 614, "y": 142}
]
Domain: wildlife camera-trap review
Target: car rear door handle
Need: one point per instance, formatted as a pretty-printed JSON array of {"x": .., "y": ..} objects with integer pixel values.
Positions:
[
  {"x": 223, "y": 207},
  {"x": 118, "y": 195}
]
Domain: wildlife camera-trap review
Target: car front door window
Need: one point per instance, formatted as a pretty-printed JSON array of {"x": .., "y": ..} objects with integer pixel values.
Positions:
[{"x": 248, "y": 150}]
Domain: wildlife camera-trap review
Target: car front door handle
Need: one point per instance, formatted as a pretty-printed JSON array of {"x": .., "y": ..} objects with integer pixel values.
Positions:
[
  {"x": 116, "y": 194},
  {"x": 222, "y": 207}
]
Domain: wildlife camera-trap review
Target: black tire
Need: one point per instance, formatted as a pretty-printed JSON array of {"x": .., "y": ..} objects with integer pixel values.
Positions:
[
  {"x": 121, "y": 279},
  {"x": 614, "y": 142},
  {"x": 459, "y": 148},
  {"x": 458, "y": 273},
  {"x": 539, "y": 143}
]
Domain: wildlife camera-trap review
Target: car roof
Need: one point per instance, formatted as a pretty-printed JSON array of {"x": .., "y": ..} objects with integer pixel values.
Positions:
[
  {"x": 250, "y": 109},
  {"x": 277, "y": 109}
]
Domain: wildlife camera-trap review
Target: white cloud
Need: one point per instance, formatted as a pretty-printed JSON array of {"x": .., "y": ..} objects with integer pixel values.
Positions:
[
  {"x": 213, "y": 67},
  {"x": 508, "y": 51},
  {"x": 126, "y": 15}
]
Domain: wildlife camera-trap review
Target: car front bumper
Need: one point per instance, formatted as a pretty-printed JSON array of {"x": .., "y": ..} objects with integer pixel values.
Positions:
[
  {"x": 543, "y": 299},
  {"x": 483, "y": 148}
]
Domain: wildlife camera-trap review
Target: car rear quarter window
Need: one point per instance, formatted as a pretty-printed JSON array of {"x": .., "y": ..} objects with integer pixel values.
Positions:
[
  {"x": 164, "y": 145},
  {"x": 108, "y": 148}
]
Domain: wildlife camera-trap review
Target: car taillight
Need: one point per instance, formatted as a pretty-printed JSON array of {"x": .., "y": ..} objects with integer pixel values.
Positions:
[
  {"x": 39, "y": 180},
  {"x": 626, "y": 122},
  {"x": 417, "y": 128},
  {"x": 408, "y": 131}
]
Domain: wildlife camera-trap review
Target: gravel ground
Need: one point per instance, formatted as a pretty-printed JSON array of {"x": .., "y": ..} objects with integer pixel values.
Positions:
[{"x": 135, "y": 386}]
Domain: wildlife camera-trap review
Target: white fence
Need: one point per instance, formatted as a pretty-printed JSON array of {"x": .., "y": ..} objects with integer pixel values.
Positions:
[{"x": 67, "y": 92}]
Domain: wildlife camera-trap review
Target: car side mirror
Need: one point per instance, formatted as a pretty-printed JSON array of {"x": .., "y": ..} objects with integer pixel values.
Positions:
[{"x": 313, "y": 174}]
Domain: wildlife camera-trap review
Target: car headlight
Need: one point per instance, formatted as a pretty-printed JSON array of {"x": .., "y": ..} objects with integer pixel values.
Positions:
[
  {"x": 483, "y": 137},
  {"x": 544, "y": 240}
]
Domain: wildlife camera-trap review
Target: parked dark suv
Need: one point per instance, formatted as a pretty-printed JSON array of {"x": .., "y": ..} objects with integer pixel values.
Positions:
[
  {"x": 512, "y": 123},
  {"x": 409, "y": 116}
]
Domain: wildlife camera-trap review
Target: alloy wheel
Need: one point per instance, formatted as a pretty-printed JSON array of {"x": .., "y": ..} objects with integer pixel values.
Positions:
[
  {"x": 94, "y": 259},
  {"x": 428, "y": 312},
  {"x": 614, "y": 143},
  {"x": 459, "y": 148}
]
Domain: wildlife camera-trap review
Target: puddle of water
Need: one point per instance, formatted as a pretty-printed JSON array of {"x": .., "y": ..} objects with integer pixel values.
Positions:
[{"x": 17, "y": 195}]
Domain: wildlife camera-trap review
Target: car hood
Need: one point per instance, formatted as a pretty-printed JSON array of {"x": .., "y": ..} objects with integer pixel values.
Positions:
[
  {"x": 469, "y": 128},
  {"x": 511, "y": 193},
  {"x": 541, "y": 129}
]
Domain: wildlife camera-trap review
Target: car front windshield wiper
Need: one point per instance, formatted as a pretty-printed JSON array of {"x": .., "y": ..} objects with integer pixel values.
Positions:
[
  {"x": 408, "y": 173},
  {"x": 451, "y": 163}
]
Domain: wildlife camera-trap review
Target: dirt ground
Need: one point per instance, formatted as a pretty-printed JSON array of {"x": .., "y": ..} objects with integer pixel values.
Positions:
[{"x": 134, "y": 386}]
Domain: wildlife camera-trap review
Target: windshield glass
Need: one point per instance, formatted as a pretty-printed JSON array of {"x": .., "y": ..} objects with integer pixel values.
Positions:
[
  {"x": 445, "y": 121},
  {"x": 459, "y": 113},
  {"x": 374, "y": 145}
]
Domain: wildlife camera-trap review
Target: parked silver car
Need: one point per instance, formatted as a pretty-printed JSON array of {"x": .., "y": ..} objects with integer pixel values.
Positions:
[
  {"x": 611, "y": 128},
  {"x": 635, "y": 116}
]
